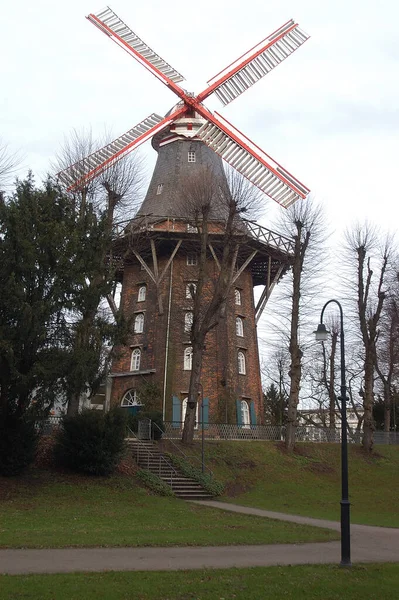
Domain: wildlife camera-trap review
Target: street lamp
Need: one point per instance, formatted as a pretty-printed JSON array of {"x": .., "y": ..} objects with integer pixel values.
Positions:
[{"x": 321, "y": 335}]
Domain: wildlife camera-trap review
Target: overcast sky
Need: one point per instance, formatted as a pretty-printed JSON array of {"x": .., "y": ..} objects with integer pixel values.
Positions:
[{"x": 329, "y": 113}]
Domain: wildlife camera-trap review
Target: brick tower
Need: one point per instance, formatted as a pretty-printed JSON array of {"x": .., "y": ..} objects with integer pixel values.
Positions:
[{"x": 160, "y": 267}]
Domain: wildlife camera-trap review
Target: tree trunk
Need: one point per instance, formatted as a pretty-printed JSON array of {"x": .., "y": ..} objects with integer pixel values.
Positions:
[
  {"x": 368, "y": 399},
  {"x": 331, "y": 390},
  {"x": 195, "y": 382},
  {"x": 295, "y": 372}
]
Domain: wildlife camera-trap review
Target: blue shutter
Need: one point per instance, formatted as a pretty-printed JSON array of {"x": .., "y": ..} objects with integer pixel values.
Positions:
[
  {"x": 176, "y": 412},
  {"x": 239, "y": 415},
  {"x": 205, "y": 404},
  {"x": 252, "y": 412}
]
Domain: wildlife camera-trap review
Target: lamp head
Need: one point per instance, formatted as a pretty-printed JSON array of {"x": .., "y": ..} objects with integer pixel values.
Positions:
[{"x": 321, "y": 333}]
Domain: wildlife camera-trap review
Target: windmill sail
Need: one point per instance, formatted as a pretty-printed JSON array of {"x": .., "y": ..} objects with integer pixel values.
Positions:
[
  {"x": 259, "y": 168},
  {"x": 256, "y": 63},
  {"x": 112, "y": 25},
  {"x": 88, "y": 168}
]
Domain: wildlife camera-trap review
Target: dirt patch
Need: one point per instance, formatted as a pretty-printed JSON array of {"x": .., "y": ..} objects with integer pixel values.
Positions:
[
  {"x": 369, "y": 457},
  {"x": 318, "y": 467},
  {"x": 235, "y": 488}
]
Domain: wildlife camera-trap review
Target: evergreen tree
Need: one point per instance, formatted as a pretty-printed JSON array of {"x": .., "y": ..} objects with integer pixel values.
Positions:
[{"x": 37, "y": 243}]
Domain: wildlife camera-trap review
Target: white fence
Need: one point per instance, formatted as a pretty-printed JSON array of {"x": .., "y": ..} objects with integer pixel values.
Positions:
[{"x": 308, "y": 433}]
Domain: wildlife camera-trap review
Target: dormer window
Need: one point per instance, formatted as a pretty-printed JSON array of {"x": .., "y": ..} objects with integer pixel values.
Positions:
[
  {"x": 191, "y": 156},
  {"x": 159, "y": 189}
]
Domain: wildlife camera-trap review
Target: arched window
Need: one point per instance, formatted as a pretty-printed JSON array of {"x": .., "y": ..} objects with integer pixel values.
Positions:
[
  {"x": 135, "y": 362},
  {"x": 188, "y": 321},
  {"x": 241, "y": 363},
  {"x": 142, "y": 293},
  {"x": 139, "y": 323},
  {"x": 184, "y": 410},
  {"x": 239, "y": 326},
  {"x": 245, "y": 416},
  {"x": 237, "y": 296},
  {"x": 188, "y": 358},
  {"x": 191, "y": 288},
  {"x": 131, "y": 398}
]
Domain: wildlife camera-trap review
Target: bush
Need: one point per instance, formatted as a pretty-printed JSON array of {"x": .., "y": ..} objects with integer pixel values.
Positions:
[
  {"x": 91, "y": 442},
  {"x": 18, "y": 442},
  {"x": 154, "y": 483},
  {"x": 216, "y": 488}
]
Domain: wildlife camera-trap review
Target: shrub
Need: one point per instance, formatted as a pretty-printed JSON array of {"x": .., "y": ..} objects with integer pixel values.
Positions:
[
  {"x": 205, "y": 479},
  {"x": 154, "y": 483},
  {"x": 91, "y": 442},
  {"x": 18, "y": 442}
]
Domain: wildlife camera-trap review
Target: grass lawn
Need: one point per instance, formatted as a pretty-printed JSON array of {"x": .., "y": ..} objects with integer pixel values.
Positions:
[
  {"x": 307, "y": 482},
  {"x": 43, "y": 509},
  {"x": 321, "y": 582}
]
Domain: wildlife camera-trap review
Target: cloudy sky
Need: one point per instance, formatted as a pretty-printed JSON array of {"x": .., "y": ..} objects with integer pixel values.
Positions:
[{"x": 329, "y": 113}]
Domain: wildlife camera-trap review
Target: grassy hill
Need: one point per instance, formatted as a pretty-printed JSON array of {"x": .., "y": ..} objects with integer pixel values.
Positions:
[{"x": 307, "y": 482}]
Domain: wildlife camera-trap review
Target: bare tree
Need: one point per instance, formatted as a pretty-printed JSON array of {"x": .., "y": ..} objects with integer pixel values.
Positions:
[
  {"x": 9, "y": 162},
  {"x": 369, "y": 262},
  {"x": 207, "y": 202},
  {"x": 98, "y": 206},
  {"x": 305, "y": 224},
  {"x": 387, "y": 351}
]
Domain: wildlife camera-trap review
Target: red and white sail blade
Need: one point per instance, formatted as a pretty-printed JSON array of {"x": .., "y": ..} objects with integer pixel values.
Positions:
[
  {"x": 256, "y": 63},
  {"x": 85, "y": 170},
  {"x": 108, "y": 22},
  {"x": 249, "y": 160}
]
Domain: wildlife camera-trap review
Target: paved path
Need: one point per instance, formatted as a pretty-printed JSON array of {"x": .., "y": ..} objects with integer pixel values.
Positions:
[{"x": 369, "y": 544}]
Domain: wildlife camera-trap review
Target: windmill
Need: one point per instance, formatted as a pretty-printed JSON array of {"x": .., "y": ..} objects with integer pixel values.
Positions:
[
  {"x": 212, "y": 129},
  {"x": 158, "y": 271}
]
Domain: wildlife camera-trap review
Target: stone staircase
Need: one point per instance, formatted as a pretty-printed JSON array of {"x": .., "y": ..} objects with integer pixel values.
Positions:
[{"x": 147, "y": 456}]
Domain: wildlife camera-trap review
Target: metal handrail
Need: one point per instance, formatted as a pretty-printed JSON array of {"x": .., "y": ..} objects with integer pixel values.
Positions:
[
  {"x": 181, "y": 451},
  {"x": 149, "y": 453}
]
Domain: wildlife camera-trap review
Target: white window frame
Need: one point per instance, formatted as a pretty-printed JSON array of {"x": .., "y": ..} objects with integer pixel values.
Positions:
[
  {"x": 192, "y": 259},
  {"x": 191, "y": 287},
  {"x": 191, "y": 156},
  {"x": 184, "y": 410},
  {"x": 188, "y": 321},
  {"x": 242, "y": 369},
  {"x": 131, "y": 398},
  {"x": 139, "y": 323},
  {"x": 240, "y": 326},
  {"x": 188, "y": 358},
  {"x": 135, "y": 360},
  {"x": 142, "y": 293},
  {"x": 237, "y": 296},
  {"x": 159, "y": 189},
  {"x": 245, "y": 414}
]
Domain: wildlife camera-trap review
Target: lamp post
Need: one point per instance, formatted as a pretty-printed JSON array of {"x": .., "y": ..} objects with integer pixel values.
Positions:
[{"x": 321, "y": 336}]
